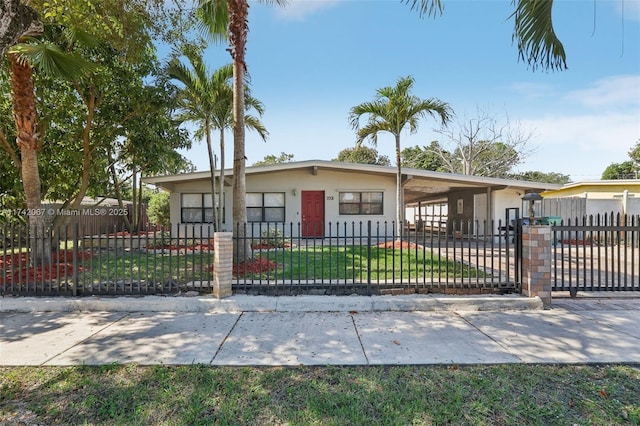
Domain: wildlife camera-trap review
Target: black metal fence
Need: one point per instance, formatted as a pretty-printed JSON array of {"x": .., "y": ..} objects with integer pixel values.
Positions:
[
  {"x": 376, "y": 257},
  {"x": 110, "y": 260},
  {"x": 355, "y": 257},
  {"x": 597, "y": 253}
]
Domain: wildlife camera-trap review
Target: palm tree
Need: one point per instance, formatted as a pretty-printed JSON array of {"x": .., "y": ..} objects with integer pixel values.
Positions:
[
  {"x": 393, "y": 109},
  {"x": 537, "y": 41},
  {"x": 207, "y": 98},
  {"x": 229, "y": 19},
  {"x": 223, "y": 120},
  {"x": 48, "y": 58}
]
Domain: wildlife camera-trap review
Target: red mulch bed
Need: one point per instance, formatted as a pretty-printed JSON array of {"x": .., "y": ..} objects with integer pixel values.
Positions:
[
  {"x": 398, "y": 245},
  {"x": 256, "y": 265},
  {"x": 20, "y": 272}
]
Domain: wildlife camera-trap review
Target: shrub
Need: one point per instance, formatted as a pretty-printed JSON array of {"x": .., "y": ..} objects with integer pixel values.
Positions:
[
  {"x": 272, "y": 238},
  {"x": 158, "y": 210}
]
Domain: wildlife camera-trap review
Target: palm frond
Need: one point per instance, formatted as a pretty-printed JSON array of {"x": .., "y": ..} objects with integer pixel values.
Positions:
[
  {"x": 429, "y": 8},
  {"x": 252, "y": 103},
  {"x": 537, "y": 42},
  {"x": 48, "y": 58},
  {"x": 213, "y": 19},
  {"x": 253, "y": 123}
]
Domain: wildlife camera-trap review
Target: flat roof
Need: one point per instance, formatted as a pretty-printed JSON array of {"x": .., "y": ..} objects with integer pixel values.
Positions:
[{"x": 418, "y": 184}]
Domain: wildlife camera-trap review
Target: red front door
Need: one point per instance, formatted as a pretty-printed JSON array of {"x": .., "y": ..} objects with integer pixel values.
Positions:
[{"x": 313, "y": 214}]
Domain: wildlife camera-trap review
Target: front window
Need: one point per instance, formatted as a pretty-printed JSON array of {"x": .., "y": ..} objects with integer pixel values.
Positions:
[
  {"x": 361, "y": 203},
  {"x": 198, "y": 208},
  {"x": 265, "y": 206}
]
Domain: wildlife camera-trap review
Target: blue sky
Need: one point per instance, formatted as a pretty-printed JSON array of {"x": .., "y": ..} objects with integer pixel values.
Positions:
[{"x": 313, "y": 60}]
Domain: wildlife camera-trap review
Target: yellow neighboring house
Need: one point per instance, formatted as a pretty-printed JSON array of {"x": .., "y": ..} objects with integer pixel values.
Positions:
[{"x": 590, "y": 198}]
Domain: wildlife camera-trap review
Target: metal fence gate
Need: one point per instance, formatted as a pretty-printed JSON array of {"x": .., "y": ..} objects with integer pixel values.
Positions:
[{"x": 597, "y": 253}]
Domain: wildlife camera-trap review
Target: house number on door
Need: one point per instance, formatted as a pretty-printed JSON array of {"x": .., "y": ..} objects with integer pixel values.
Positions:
[{"x": 330, "y": 198}]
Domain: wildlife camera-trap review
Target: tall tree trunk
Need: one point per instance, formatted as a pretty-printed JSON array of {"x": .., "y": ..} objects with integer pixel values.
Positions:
[
  {"x": 16, "y": 21},
  {"x": 212, "y": 169},
  {"x": 399, "y": 198},
  {"x": 238, "y": 29},
  {"x": 26, "y": 119},
  {"x": 85, "y": 175},
  {"x": 221, "y": 182},
  {"x": 134, "y": 197},
  {"x": 139, "y": 216},
  {"x": 116, "y": 186}
]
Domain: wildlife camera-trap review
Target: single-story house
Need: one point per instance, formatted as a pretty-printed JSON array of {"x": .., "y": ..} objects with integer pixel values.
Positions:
[
  {"x": 591, "y": 198},
  {"x": 330, "y": 192}
]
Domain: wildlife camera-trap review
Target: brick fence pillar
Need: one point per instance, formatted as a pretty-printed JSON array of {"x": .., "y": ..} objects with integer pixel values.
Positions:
[
  {"x": 536, "y": 262},
  {"x": 222, "y": 264}
]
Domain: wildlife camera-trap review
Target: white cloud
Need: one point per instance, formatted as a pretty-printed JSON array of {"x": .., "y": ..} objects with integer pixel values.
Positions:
[
  {"x": 297, "y": 10},
  {"x": 532, "y": 91},
  {"x": 629, "y": 9},
  {"x": 621, "y": 91},
  {"x": 582, "y": 145}
]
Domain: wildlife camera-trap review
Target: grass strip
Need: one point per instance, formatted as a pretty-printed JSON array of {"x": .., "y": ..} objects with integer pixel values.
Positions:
[{"x": 390, "y": 395}]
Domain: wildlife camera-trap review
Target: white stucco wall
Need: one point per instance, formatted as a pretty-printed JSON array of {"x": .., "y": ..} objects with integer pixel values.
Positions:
[
  {"x": 292, "y": 183},
  {"x": 502, "y": 200}
]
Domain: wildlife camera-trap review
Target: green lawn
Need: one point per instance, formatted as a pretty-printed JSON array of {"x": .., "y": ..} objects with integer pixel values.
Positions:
[
  {"x": 304, "y": 263},
  {"x": 155, "y": 267},
  {"x": 408, "y": 395},
  {"x": 351, "y": 263}
]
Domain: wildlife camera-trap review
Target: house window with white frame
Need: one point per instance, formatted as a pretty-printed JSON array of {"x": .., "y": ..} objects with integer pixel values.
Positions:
[
  {"x": 265, "y": 206},
  {"x": 361, "y": 203},
  {"x": 198, "y": 208}
]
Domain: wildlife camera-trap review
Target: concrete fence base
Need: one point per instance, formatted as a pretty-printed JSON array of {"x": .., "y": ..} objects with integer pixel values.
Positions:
[{"x": 222, "y": 264}]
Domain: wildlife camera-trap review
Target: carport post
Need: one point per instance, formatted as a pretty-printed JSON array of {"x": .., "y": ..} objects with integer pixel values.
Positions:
[
  {"x": 222, "y": 264},
  {"x": 536, "y": 262}
]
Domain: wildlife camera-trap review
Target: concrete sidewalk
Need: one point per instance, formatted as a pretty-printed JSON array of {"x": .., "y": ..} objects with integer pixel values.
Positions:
[{"x": 317, "y": 330}]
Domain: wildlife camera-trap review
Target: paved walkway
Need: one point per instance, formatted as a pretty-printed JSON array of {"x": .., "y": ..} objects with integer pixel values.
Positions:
[{"x": 318, "y": 330}]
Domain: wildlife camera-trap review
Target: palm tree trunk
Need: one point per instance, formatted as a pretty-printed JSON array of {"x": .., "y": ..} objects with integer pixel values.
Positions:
[
  {"x": 26, "y": 119},
  {"x": 238, "y": 29},
  {"x": 221, "y": 182},
  {"x": 212, "y": 168},
  {"x": 399, "y": 206}
]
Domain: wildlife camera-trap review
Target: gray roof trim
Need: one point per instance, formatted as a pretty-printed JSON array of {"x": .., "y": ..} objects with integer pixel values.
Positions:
[{"x": 467, "y": 180}]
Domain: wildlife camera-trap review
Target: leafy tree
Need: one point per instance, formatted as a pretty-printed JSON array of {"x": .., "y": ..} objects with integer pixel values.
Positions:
[
  {"x": 362, "y": 155},
  {"x": 482, "y": 146},
  {"x": 159, "y": 208},
  {"x": 148, "y": 142},
  {"x": 392, "y": 110},
  {"x": 48, "y": 59},
  {"x": 66, "y": 53},
  {"x": 634, "y": 153},
  {"x": 624, "y": 170},
  {"x": 537, "y": 176},
  {"x": 629, "y": 169},
  {"x": 230, "y": 19},
  {"x": 272, "y": 159},
  {"x": 424, "y": 158},
  {"x": 533, "y": 32}
]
